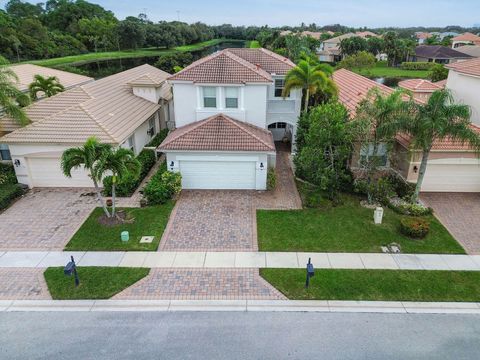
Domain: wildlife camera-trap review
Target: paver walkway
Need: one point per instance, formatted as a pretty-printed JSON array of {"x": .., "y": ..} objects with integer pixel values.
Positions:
[
  {"x": 23, "y": 283},
  {"x": 201, "y": 284},
  {"x": 216, "y": 220},
  {"x": 232, "y": 260},
  {"x": 45, "y": 219},
  {"x": 460, "y": 214}
]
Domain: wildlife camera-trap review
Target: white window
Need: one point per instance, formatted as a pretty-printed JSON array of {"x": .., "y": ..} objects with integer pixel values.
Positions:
[
  {"x": 279, "y": 85},
  {"x": 209, "y": 97},
  {"x": 131, "y": 143},
  {"x": 231, "y": 98},
  {"x": 279, "y": 125},
  {"x": 380, "y": 158},
  {"x": 151, "y": 126},
  {"x": 5, "y": 152}
]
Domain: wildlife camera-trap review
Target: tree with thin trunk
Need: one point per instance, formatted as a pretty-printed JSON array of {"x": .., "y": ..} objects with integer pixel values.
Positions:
[
  {"x": 48, "y": 86},
  {"x": 311, "y": 79},
  {"x": 119, "y": 162},
  {"x": 11, "y": 99},
  {"x": 86, "y": 157},
  {"x": 437, "y": 120}
]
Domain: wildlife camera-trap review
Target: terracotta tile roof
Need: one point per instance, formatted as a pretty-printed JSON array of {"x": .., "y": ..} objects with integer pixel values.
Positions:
[
  {"x": 419, "y": 85},
  {"x": 441, "y": 83},
  {"x": 269, "y": 61},
  {"x": 26, "y": 72},
  {"x": 423, "y": 35},
  {"x": 439, "y": 52},
  {"x": 467, "y": 37},
  {"x": 365, "y": 34},
  {"x": 106, "y": 108},
  {"x": 469, "y": 67},
  {"x": 472, "y": 50},
  {"x": 219, "y": 133},
  {"x": 338, "y": 39}
]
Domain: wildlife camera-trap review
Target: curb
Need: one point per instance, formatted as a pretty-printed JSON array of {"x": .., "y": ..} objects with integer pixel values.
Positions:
[{"x": 331, "y": 306}]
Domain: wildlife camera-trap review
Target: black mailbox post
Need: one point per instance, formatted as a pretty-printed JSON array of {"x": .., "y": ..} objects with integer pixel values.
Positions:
[
  {"x": 310, "y": 272},
  {"x": 72, "y": 268}
]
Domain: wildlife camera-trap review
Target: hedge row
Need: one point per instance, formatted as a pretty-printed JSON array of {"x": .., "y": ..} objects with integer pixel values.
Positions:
[
  {"x": 8, "y": 193},
  {"x": 128, "y": 185},
  {"x": 157, "y": 140},
  {"x": 7, "y": 174},
  {"x": 421, "y": 65}
]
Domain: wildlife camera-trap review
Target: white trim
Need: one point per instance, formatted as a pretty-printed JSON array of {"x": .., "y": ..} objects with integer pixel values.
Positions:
[{"x": 454, "y": 161}]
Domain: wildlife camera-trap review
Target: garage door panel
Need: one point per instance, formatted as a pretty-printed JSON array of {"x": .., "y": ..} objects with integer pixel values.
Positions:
[
  {"x": 46, "y": 172},
  {"x": 217, "y": 174},
  {"x": 452, "y": 178}
]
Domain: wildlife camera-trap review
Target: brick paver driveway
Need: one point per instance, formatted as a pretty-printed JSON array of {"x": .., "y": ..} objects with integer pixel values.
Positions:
[
  {"x": 44, "y": 219},
  {"x": 460, "y": 214},
  {"x": 225, "y": 220},
  {"x": 23, "y": 284}
]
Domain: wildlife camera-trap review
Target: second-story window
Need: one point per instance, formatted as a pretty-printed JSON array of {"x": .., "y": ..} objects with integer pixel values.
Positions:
[
  {"x": 209, "y": 97},
  {"x": 231, "y": 98},
  {"x": 279, "y": 85}
]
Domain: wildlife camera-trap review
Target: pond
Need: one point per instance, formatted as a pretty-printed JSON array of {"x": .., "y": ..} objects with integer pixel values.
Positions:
[
  {"x": 102, "y": 68},
  {"x": 389, "y": 81}
]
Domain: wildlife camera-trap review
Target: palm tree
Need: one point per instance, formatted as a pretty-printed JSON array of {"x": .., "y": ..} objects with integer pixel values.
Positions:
[
  {"x": 310, "y": 78},
  {"x": 47, "y": 85},
  {"x": 439, "y": 119},
  {"x": 120, "y": 162},
  {"x": 11, "y": 99},
  {"x": 87, "y": 157}
]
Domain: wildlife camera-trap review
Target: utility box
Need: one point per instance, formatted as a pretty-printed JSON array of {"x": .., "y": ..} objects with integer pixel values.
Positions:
[
  {"x": 378, "y": 215},
  {"x": 124, "y": 236}
]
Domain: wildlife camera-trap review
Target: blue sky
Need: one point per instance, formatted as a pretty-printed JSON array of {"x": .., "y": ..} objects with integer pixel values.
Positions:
[{"x": 356, "y": 13}]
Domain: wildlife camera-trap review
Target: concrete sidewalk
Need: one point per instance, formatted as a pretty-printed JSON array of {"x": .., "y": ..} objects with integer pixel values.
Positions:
[
  {"x": 172, "y": 259},
  {"x": 243, "y": 305}
]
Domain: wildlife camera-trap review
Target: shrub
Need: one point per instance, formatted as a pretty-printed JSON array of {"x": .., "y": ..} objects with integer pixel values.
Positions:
[
  {"x": 128, "y": 184},
  {"x": 271, "y": 179},
  {"x": 162, "y": 187},
  {"x": 414, "y": 227},
  {"x": 8, "y": 193},
  {"x": 7, "y": 174},
  {"x": 438, "y": 72},
  {"x": 403, "y": 188},
  {"x": 421, "y": 65},
  {"x": 360, "y": 60},
  {"x": 381, "y": 189},
  {"x": 413, "y": 209},
  {"x": 157, "y": 139}
]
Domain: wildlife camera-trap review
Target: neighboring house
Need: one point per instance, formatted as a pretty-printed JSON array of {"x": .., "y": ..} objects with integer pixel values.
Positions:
[
  {"x": 421, "y": 89},
  {"x": 438, "y": 54},
  {"x": 126, "y": 109},
  {"x": 329, "y": 50},
  {"x": 464, "y": 82},
  {"x": 229, "y": 110},
  {"x": 25, "y": 74},
  {"x": 366, "y": 34},
  {"x": 472, "y": 50},
  {"x": 465, "y": 39},
  {"x": 452, "y": 167},
  {"x": 422, "y": 36}
]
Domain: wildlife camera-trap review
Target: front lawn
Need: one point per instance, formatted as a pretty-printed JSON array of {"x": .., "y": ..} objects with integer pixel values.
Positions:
[
  {"x": 377, "y": 285},
  {"x": 381, "y": 69},
  {"x": 345, "y": 228},
  {"x": 95, "y": 282},
  {"x": 149, "y": 221}
]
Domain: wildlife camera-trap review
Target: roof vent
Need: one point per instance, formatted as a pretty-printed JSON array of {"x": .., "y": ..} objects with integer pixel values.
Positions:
[{"x": 258, "y": 66}]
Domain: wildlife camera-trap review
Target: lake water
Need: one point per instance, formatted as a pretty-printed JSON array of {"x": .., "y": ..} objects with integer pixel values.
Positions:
[
  {"x": 389, "y": 81},
  {"x": 102, "y": 68}
]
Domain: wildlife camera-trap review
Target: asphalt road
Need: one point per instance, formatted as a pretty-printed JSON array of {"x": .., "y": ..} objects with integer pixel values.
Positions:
[{"x": 190, "y": 335}]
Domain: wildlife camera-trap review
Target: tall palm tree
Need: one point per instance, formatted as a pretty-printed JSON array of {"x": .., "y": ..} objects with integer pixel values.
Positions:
[
  {"x": 439, "y": 119},
  {"x": 86, "y": 156},
  {"x": 11, "y": 99},
  {"x": 120, "y": 162},
  {"x": 47, "y": 85},
  {"x": 310, "y": 78}
]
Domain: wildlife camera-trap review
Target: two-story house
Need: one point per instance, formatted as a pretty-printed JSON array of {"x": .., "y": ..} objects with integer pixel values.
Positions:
[{"x": 229, "y": 110}]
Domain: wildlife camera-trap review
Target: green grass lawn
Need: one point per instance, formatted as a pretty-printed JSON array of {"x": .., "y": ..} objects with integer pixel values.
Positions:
[
  {"x": 382, "y": 70},
  {"x": 149, "y": 221},
  {"x": 123, "y": 54},
  {"x": 377, "y": 285},
  {"x": 95, "y": 282},
  {"x": 254, "y": 44},
  {"x": 347, "y": 227}
]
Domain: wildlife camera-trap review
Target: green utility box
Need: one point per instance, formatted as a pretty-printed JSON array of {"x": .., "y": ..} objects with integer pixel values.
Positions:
[{"x": 125, "y": 236}]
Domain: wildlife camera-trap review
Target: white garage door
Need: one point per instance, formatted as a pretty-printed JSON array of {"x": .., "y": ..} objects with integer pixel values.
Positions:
[
  {"x": 217, "y": 174},
  {"x": 452, "y": 178},
  {"x": 46, "y": 172}
]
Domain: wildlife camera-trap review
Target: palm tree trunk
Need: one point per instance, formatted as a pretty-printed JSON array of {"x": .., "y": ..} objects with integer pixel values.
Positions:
[
  {"x": 100, "y": 198},
  {"x": 307, "y": 96},
  {"x": 114, "y": 181},
  {"x": 421, "y": 174}
]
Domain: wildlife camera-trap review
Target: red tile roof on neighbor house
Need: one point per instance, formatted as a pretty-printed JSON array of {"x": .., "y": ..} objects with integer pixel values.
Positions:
[
  {"x": 219, "y": 133},
  {"x": 441, "y": 83},
  {"x": 236, "y": 66},
  {"x": 419, "y": 85},
  {"x": 353, "y": 88},
  {"x": 467, "y": 37},
  {"x": 468, "y": 67}
]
